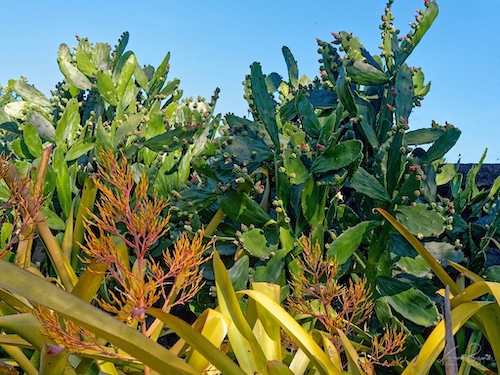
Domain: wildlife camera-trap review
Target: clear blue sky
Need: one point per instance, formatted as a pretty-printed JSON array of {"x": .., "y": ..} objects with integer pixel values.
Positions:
[{"x": 213, "y": 43}]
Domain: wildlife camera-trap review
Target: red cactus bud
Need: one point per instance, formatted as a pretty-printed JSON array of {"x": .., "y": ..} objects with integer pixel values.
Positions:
[
  {"x": 390, "y": 107},
  {"x": 413, "y": 168}
]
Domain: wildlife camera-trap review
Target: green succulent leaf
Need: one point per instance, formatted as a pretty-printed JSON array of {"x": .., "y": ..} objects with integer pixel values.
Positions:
[
  {"x": 367, "y": 121},
  {"x": 442, "y": 251},
  {"x": 83, "y": 57},
  {"x": 171, "y": 139},
  {"x": 293, "y": 70},
  {"x": 126, "y": 72},
  {"x": 423, "y": 136},
  {"x": 43, "y": 126},
  {"x": 122, "y": 44},
  {"x": 264, "y": 103},
  {"x": 418, "y": 82},
  {"x": 420, "y": 220},
  {"x": 348, "y": 242},
  {"x": 442, "y": 145},
  {"x": 32, "y": 140},
  {"x": 344, "y": 92},
  {"x": 67, "y": 125},
  {"x": 63, "y": 184},
  {"x": 308, "y": 118},
  {"x": 29, "y": 93},
  {"x": 126, "y": 128},
  {"x": 239, "y": 272},
  {"x": 141, "y": 77},
  {"x": 259, "y": 242},
  {"x": 414, "y": 37},
  {"x": 106, "y": 87},
  {"x": 337, "y": 156},
  {"x": 363, "y": 182},
  {"x": 82, "y": 147},
  {"x": 364, "y": 73},
  {"x": 70, "y": 71},
  {"x": 240, "y": 207},
  {"x": 408, "y": 301},
  {"x": 295, "y": 168},
  {"x": 313, "y": 202},
  {"x": 404, "y": 93},
  {"x": 446, "y": 173},
  {"x": 159, "y": 77}
]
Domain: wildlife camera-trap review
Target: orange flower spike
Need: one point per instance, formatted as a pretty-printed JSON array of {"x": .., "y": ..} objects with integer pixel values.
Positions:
[
  {"x": 316, "y": 292},
  {"x": 391, "y": 343},
  {"x": 183, "y": 266}
]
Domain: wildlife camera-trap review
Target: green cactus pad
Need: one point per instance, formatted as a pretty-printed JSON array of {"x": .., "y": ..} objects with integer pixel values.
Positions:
[{"x": 420, "y": 220}]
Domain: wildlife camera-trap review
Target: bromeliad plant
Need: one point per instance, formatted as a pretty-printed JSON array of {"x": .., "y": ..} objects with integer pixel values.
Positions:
[{"x": 119, "y": 239}]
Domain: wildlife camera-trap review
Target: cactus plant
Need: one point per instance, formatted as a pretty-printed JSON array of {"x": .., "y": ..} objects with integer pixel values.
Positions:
[
  {"x": 319, "y": 155},
  {"x": 106, "y": 101}
]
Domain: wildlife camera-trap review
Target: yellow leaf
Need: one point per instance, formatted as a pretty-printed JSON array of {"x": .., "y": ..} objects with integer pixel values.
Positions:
[
  {"x": 293, "y": 329},
  {"x": 245, "y": 346},
  {"x": 33, "y": 288},
  {"x": 434, "y": 344},
  {"x": 197, "y": 342}
]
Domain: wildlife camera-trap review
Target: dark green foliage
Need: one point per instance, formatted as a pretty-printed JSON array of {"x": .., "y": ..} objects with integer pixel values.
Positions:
[{"x": 315, "y": 159}]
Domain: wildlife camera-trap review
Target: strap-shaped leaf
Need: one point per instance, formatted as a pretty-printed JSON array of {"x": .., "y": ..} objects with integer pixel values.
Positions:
[{"x": 34, "y": 288}]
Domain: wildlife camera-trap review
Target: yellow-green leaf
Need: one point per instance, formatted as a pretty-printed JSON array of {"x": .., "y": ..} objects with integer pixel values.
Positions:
[
  {"x": 265, "y": 328},
  {"x": 351, "y": 353},
  {"x": 293, "y": 329},
  {"x": 198, "y": 342},
  {"x": 244, "y": 343},
  {"x": 477, "y": 290},
  {"x": 214, "y": 326},
  {"x": 90, "y": 281},
  {"x": 435, "y": 266},
  {"x": 153, "y": 355},
  {"x": 53, "y": 360},
  {"x": 434, "y": 344}
]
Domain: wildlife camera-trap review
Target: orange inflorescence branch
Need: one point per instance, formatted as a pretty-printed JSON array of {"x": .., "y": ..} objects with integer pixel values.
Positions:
[{"x": 126, "y": 212}]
